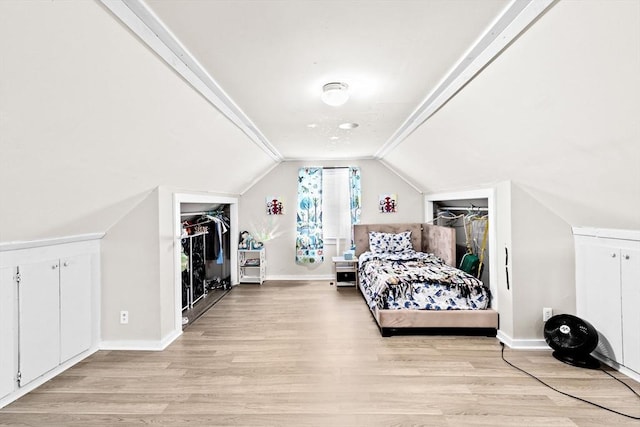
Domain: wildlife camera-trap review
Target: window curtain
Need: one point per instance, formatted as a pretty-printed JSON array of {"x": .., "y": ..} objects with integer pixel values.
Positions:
[
  {"x": 309, "y": 238},
  {"x": 354, "y": 195},
  {"x": 309, "y": 243}
]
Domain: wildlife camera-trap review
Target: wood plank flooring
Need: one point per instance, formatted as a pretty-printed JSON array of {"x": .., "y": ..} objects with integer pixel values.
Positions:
[{"x": 306, "y": 354}]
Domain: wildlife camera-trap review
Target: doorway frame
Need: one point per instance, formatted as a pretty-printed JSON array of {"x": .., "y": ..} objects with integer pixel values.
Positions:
[
  {"x": 178, "y": 200},
  {"x": 483, "y": 193}
]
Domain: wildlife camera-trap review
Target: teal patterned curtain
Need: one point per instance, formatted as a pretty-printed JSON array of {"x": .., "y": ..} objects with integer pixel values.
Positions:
[
  {"x": 309, "y": 238},
  {"x": 309, "y": 243},
  {"x": 354, "y": 195}
]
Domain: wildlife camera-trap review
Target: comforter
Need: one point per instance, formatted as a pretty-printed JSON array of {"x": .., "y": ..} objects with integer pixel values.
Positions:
[{"x": 418, "y": 280}]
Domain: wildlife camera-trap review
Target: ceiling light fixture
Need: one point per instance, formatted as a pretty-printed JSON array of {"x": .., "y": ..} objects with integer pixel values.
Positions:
[
  {"x": 335, "y": 93},
  {"x": 348, "y": 125}
]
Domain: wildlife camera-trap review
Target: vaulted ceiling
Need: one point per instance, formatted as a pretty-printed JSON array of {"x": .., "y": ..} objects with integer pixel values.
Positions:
[
  {"x": 102, "y": 102},
  {"x": 264, "y": 63}
]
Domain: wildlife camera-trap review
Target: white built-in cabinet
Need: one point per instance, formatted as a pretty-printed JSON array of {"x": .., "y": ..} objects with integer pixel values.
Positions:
[
  {"x": 608, "y": 291},
  {"x": 48, "y": 315},
  {"x": 54, "y": 298},
  {"x": 8, "y": 355}
]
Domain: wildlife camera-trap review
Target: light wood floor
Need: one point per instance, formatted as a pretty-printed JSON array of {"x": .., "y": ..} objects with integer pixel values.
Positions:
[{"x": 306, "y": 354}]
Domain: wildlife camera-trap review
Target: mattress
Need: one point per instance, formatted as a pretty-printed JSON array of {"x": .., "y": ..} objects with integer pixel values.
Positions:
[{"x": 418, "y": 281}]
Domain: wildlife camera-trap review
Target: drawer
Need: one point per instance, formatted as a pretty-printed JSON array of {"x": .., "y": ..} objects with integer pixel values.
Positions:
[{"x": 346, "y": 276}]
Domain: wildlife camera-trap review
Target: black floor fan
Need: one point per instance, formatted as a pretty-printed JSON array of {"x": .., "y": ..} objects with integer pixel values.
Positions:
[{"x": 572, "y": 340}]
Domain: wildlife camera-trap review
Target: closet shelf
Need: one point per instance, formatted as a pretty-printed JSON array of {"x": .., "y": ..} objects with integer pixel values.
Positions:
[{"x": 251, "y": 265}]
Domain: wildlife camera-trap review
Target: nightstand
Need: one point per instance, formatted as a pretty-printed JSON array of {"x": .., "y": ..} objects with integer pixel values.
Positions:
[{"x": 346, "y": 271}]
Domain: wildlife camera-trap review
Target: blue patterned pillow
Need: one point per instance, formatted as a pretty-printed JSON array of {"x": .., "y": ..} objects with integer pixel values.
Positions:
[{"x": 390, "y": 242}]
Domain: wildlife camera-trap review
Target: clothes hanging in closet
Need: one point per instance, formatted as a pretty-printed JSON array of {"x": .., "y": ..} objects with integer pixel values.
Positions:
[{"x": 217, "y": 238}]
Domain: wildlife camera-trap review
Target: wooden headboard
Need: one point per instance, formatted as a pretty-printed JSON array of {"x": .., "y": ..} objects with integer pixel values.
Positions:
[{"x": 435, "y": 239}]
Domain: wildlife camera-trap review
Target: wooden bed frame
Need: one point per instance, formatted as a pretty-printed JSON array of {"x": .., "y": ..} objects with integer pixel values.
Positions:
[{"x": 440, "y": 241}]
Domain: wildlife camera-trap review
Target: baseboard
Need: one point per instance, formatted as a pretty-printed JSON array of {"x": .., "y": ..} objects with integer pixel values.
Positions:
[
  {"x": 140, "y": 345},
  {"x": 324, "y": 277},
  {"x": 618, "y": 367},
  {"x": 21, "y": 391},
  {"x": 530, "y": 344}
]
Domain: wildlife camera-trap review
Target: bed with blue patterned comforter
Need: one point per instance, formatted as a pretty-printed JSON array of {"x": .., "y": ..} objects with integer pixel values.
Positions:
[{"x": 419, "y": 281}]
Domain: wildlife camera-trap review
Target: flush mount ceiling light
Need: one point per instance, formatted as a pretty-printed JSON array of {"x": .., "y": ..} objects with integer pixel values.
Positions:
[
  {"x": 335, "y": 93},
  {"x": 348, "y": 125}
]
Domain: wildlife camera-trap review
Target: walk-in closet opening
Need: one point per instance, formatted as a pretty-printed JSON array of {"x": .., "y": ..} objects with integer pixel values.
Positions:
[
  {"x": 206, "y": 231},
  {"x": 470, "y": 219},
  {"x": 472, "y": 215}
]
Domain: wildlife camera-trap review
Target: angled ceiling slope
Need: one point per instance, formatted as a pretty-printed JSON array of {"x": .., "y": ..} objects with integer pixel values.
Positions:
[{"x": 263, "y": 64}]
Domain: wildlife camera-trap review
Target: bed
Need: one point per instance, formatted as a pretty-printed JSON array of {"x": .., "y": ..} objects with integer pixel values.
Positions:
[{"x": 415, "y": 286}]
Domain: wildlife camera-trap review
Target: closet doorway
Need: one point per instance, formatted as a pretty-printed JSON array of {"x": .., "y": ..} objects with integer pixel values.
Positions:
[
  {"x": 205, "y": 266},
  {"x": 463, "y": 205}
]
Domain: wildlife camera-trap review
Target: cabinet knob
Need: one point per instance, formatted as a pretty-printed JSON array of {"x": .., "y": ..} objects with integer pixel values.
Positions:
[
  {"x": 613, "y": 254},
  {"x": 54, "y": 266},
  {"x": 627, "y": 256},
  {"x": 66, "y": 264}
]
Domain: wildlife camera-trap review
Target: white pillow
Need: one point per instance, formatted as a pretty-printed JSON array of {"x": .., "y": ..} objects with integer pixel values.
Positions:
[{"x": 390, "y": 242}]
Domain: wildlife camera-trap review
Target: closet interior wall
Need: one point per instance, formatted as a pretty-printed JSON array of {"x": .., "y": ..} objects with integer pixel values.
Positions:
[{"x": 442, "y": 210}]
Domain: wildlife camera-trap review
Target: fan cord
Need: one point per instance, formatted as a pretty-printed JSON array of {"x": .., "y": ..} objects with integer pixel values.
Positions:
[{"x": 570, "y": 395}]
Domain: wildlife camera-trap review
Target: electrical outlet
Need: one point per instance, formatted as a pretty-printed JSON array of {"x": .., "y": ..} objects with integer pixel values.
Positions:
[
  {"x": 547, "y": 313},
  {"x": 124, "y": 317}
]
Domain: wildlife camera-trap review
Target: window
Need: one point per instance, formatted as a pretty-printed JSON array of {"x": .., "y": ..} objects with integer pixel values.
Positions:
[
  {"x": 336, "y": 205},
  {"x": 328, "y": 203}
]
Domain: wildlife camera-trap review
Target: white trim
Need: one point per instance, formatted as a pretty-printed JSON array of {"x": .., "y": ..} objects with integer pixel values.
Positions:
[
  {"x": 537, "y": 344},
  {"x": 144, "y": 345},
  {"x": 28, "y": 244},
  {"x": 141, "y": 20},
  {"x": 607, "y": 233},
  {"x": 505, "y": 29},
  {"x": 259, "y": 178},
  {"x": 327, "y": 159},
  {"x": 476, "y": 193},
  {"x": 531, "y": 344},
  {"x": 289, "y": 277},
  {"x": 480, "y": 193},
  {"x": 618, "y": 367},
  {"x": 402, "y": 177},
  {"x": 21, "y": 391}
]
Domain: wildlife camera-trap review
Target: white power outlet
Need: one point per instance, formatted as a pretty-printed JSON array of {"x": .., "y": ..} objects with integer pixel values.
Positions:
[
  {"x": 124, "y": 317},
  {"x": 547, "y": 313}
]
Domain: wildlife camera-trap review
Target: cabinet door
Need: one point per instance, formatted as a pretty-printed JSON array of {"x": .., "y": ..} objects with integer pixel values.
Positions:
[
  {"x": 630, "y": 271},
  {"x": 39, "y": 324},
  {"x": 8, "y": 349},
  {"x": 75, "y": 306},
  {"x": 598, "y": 295}
]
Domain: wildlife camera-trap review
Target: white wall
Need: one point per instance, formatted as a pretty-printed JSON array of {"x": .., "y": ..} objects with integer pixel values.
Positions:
[
  {"x": 553, "y": 124},
  {"x": 91, "y": 125},
  {"x": 501, "y": 281},
  {"x": 542, "y": 267},
  {"x": 556, "y": 113},
  {"x": 131, "y": 277},
  {"x": 282, "y": 181},
  {"x": 91, "y": 121},
  {"x": 139, "y": 274}
]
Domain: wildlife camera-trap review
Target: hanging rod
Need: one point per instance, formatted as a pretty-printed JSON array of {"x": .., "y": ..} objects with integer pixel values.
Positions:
[
  {"x": 460, "y": 208},
  {"x": 199, "y": 213}
]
